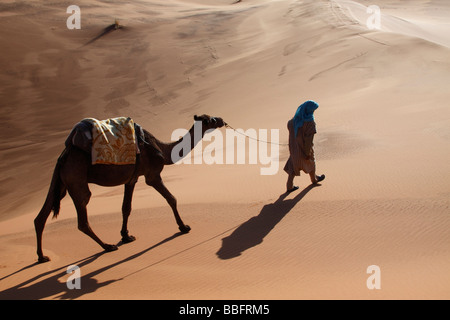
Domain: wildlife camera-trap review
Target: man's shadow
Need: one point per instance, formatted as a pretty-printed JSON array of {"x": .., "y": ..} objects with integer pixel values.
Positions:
[{"x": 252, "y": 232}]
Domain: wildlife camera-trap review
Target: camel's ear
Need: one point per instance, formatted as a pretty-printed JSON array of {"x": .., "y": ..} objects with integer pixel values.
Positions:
[{"x": 197, "y": 118}]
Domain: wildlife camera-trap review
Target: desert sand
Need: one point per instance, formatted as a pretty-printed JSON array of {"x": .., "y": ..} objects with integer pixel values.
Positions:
[{"x": 383, "y": 142}]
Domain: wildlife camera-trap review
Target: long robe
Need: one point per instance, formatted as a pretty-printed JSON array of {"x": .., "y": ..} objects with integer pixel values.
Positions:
[{"x": 301, "y": 149}]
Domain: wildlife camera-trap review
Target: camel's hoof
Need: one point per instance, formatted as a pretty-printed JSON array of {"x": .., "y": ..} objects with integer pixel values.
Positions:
[
  {"x": 110, "y": 247},
  {"x": 128, "y": 239},
  {"x": 43, "y": 259},
  {"x": 185, "y": 229}
]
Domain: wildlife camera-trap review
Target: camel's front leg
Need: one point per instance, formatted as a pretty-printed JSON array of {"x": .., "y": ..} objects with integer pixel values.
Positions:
[
  {"x": 161, "y": 188},
  {"x": 126, "y": 210}
]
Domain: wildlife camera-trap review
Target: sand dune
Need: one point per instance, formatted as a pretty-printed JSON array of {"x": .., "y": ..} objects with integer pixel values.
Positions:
[
  {"x": 383, "y": 142},
  {"x": 416, "y": 21}
]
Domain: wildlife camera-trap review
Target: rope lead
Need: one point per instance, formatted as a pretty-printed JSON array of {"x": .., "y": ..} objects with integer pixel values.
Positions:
[{"x": 268, "y": 142}]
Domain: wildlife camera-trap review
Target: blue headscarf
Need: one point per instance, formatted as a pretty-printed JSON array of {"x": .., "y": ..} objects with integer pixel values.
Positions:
[{"x": 304, "y": 113}]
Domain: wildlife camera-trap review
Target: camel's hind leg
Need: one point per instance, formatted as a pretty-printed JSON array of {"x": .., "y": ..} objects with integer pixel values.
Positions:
[
  {"x": 80, "y": 195},
  {"x": 51, "y": 203},
  {"x": 39, "y": 224},
  {"x": 161, "y": 188}
]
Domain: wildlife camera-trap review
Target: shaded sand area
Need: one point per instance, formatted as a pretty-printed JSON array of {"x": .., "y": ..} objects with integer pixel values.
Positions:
[{"x": 383, "y": 142}]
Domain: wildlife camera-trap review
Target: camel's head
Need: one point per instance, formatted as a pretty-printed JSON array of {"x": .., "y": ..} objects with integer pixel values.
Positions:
[{"x": 210, "y": 122}]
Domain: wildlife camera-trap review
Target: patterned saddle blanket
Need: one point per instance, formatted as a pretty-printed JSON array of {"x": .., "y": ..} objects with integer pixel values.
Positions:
[{"x": 111, "y": 141}]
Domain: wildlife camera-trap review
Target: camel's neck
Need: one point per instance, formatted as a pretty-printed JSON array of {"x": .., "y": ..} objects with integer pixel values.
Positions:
[{"x": 177, "y": 150}]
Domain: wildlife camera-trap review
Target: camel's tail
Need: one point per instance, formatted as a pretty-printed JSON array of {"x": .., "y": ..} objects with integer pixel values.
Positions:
[{"x": 57, "y": 189}]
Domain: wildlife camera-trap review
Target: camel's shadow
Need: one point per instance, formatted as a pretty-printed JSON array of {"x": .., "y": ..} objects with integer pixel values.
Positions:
[
  {"x": 52, "y": 283},
  {"x": 49, "y": 284},
  {"x": 252, "y": 232}
]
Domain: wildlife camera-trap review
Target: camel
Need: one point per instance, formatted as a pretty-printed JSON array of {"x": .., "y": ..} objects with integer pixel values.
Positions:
[{"x": 74, "y": 171}]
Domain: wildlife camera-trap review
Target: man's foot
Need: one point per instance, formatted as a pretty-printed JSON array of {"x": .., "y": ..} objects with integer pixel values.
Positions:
[
  {"x": 293, "y": 189},
  {"x": 319, "y": 178}
]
